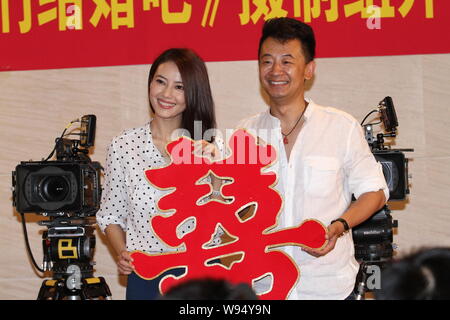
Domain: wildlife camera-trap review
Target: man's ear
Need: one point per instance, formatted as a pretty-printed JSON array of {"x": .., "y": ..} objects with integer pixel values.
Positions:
[{"x": 310, "y": 69}]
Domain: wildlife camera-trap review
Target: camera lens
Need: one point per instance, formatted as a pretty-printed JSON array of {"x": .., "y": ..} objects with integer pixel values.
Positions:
[{"x": 54, "y": 188}]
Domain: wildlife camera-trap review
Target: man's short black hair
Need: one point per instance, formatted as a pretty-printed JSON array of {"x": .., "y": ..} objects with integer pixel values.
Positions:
[{"x": 285, "y": 29}]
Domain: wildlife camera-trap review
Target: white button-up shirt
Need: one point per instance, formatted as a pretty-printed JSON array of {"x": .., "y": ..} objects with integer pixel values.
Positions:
[{"x": 329, "y": 162}]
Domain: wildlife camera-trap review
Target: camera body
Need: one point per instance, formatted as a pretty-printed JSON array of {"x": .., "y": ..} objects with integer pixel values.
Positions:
[
  {"x": 66, "y": 187},
  {"x": 57, "y": 187}
]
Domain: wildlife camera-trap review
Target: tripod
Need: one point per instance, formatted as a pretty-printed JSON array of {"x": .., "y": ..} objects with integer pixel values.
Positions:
[
  {"x": 368, "y": 278},
  {"x": 68, "y": 247}
]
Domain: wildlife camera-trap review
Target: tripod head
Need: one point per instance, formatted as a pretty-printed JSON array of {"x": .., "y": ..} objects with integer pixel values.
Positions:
[
  {"x": 68, "y": 246},
  {"x": 68, "y": 241}
]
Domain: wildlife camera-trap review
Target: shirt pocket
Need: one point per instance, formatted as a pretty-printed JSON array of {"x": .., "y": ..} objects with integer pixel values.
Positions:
[{"x": 321, "y": 176}]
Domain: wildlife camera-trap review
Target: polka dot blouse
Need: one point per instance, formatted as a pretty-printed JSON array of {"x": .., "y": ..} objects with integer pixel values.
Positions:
[{"x": 128, "y": 199}]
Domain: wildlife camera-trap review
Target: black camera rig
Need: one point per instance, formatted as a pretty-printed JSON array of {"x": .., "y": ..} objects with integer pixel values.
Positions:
[
  {"x": 67, "y": 190},
  {"x": 373, "y": 239}
]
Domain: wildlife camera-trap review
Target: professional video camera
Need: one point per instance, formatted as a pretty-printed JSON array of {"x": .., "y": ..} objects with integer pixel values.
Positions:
[
  {"x": 374, "y": 238},
  {"x": 67, "y": 190}
]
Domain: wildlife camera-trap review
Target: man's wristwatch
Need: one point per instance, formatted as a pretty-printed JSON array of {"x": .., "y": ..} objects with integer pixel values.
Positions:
[{"x": 341, "y": 220}]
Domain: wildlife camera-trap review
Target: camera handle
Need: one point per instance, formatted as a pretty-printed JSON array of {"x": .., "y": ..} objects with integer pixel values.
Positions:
[{"x": 378, "y": 142}]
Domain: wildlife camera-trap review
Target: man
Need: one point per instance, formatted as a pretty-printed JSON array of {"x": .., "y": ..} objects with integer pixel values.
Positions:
[{"x": 323, "y": 159}]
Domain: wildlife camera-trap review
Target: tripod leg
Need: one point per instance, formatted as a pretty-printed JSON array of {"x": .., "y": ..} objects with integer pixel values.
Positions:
[
  {"x": 49, "y": 290},
  {"x": 361, "y": 286},
  {"x": 95, "y": 288}
]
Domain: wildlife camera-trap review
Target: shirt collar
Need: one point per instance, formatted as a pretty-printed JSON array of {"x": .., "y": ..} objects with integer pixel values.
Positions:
[
  {"x": 307, "y": 115},
  {"x": 310, "y": 110}
]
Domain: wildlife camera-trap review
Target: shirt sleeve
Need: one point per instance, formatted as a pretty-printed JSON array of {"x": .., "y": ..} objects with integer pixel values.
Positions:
[
  {"x": 364, "y": 173},
  {"x": 114, "y": 203}
]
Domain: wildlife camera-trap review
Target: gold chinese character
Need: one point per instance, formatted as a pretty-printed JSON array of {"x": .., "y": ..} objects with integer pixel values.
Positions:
[
  {"x": 115, "y": 9},
  {"x": 262, "y": 10}
]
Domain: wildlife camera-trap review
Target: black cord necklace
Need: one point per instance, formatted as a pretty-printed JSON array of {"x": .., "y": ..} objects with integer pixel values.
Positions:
[{"x": 285, "y": 139}]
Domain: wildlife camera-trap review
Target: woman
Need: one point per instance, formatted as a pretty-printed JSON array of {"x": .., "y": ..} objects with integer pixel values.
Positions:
[{"x": 179, "y": 94}]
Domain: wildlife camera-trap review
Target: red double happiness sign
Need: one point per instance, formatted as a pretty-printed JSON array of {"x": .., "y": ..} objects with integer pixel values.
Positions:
[{"x": 45, "y": 34}]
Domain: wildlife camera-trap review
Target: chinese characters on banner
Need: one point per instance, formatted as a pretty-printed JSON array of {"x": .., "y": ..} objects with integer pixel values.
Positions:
[
  {"x": 219, "y": 30},
  {"x": 69, "y": 13}
]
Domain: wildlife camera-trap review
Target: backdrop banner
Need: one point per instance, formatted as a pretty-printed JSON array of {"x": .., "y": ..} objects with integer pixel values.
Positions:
[{"x": 47, "y": 34}]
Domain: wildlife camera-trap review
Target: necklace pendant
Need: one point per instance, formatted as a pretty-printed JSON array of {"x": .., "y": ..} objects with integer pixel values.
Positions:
[{"x": 285, "y": 140}]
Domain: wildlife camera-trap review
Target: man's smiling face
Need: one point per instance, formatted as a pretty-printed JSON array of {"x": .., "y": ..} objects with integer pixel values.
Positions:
[{"x": 283, "y": 70}]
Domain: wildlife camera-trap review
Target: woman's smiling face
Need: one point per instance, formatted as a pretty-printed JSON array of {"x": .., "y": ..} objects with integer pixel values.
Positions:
[{"x": 166, "y": 92}]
